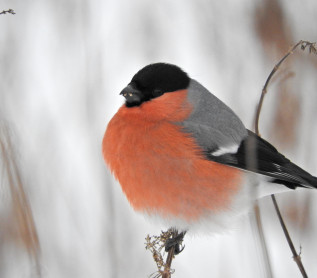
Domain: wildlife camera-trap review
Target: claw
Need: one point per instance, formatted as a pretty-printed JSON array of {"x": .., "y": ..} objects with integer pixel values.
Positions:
[{"x": 176, "y": 242}]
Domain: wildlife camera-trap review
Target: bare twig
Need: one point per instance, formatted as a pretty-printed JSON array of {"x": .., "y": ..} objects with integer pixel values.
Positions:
[
  {"x": 304, "y": 45},
  {"x": 156, "y": 244},
  {"x": 296, "y": 257},
  {"x": 9, "y": 11},
  {"x": 170, "y": 256},
  {"x": 261, "y": 239},
  {"x": 312, "y": 49}
]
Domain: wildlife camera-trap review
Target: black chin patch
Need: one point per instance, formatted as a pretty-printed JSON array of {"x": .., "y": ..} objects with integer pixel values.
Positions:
[{"x": 133, "y": 103}]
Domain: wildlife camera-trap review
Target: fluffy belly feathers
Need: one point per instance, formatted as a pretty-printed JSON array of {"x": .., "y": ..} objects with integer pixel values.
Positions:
[{"x": 163, "y": 172}]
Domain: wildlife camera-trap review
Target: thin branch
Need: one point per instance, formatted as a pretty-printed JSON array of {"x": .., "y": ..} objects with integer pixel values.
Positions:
[
  {"x": 9, "y": 11},
  {"x": 312, "y": 49},
  {"x": 167, "y": 269},
  {"x": 156, "y": 244},
  {"x": 296, "y": 257},
  {"x": 261, "y": 239},
  {"x": 304, "y": 45}
]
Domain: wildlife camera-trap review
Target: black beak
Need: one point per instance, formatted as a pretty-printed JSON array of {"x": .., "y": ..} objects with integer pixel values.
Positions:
[{"x": 131, "y": 94}]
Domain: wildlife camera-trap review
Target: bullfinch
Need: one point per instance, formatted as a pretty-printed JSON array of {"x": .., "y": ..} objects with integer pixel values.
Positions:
[{"x": 184, "y": 158}]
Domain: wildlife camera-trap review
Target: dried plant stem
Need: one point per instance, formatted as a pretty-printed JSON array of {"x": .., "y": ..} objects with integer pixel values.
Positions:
[
  {"x": 312, "y": 49},
  {"x": 296, "y": 257},
  {"x": 157, "y": 246},
  {"x": 262, "y": 241},
  {"x": 22, "y": 213},
  {"x": 167, "y": 270},
  {"x": 170, "y": 255},
  {"x": 303, "y": 44},
  {"x": 9, "y": 11}
]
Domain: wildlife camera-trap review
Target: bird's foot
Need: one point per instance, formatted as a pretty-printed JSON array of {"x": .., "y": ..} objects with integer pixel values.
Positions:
[{"x": 176, "y": 242}]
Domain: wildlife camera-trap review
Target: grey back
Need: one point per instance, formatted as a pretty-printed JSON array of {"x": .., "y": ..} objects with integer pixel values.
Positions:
[{"x": 213, "y": 124}]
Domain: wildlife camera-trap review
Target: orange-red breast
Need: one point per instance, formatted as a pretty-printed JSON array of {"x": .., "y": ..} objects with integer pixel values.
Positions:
[{"x": 184, "y": 157}]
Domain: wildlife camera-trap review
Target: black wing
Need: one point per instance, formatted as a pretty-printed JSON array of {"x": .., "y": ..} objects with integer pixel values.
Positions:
[{"x": 257, "y": 155}]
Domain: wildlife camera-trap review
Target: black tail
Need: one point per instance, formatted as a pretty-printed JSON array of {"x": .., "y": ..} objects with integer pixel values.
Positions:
[
  {"x": 296, "y": 177},
  {"x": 267, "y": 161}
]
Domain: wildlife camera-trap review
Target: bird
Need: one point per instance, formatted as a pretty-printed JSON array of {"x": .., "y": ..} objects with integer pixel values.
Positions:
[{"x": 185, "y": 160}]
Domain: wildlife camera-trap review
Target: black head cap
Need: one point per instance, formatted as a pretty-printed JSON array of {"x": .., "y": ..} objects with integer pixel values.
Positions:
[{"x": 153, "y": 81}]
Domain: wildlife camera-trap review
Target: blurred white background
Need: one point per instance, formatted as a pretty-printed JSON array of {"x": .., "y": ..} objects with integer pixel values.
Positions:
[{"x": 63, "y": 64}]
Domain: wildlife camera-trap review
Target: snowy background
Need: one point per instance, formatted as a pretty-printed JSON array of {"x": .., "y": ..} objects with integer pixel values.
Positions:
[{"x": 63, "y": 64}]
